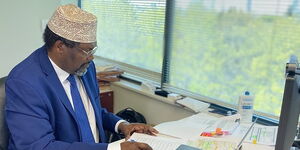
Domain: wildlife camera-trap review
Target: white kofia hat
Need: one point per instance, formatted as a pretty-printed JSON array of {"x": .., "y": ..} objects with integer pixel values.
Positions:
[{"x": 74, "y": 24}]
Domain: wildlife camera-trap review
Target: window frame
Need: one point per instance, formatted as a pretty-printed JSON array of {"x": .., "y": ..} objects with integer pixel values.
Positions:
[{"x": 161, "y": 80}]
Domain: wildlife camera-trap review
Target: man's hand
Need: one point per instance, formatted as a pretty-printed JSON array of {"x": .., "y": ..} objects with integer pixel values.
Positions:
[
  {"x": 129, "y": 128},
  {"x": 135, "y": 146}
]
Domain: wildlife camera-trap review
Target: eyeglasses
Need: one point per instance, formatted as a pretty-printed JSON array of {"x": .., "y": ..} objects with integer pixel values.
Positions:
[{"x": 88, "y": 53}]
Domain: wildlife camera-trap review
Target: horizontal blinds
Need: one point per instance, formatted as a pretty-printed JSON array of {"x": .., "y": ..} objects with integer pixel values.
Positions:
[
  {"x": 220, "y": 48},
  {"x": 130, "y": 31}
]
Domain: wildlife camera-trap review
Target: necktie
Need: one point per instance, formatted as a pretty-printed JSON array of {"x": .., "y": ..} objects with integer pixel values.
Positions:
[{"x": 80, "y": 112}]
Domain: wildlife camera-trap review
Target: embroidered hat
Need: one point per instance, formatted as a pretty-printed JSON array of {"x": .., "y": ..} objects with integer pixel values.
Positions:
[{"x": 72, "y": 23}]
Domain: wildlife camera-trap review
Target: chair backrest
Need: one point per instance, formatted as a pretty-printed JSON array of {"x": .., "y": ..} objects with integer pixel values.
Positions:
[{"x": 3, "y": 127}]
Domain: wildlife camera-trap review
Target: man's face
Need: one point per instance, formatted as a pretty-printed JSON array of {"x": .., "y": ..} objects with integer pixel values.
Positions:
[{"x": 78, "y": 58}]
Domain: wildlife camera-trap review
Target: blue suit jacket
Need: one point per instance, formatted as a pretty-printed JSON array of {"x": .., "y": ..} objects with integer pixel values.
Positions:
[{"x": 38, "y": 112}]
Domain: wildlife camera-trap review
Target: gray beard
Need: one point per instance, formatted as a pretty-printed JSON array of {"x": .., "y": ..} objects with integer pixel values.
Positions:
[{"x": 82, "y": 70}]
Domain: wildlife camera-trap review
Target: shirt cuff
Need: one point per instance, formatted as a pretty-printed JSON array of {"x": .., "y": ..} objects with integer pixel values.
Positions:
[
  {"x": 117, "y": 125},
  {"x": 114, "y": 146}
]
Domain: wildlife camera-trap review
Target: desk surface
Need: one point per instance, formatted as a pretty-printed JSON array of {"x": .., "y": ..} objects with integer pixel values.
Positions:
[
  {"x": 191, "y": 128},
  {"x": 104, "y": 89},
  {"x": 182, "y": 130},
  {"x": 246, "y": 146}
]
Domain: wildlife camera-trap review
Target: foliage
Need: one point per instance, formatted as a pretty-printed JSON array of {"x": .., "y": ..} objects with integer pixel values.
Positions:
[
  {"x": 222, "y": 54},
  {"x": 218, "y": 54}
]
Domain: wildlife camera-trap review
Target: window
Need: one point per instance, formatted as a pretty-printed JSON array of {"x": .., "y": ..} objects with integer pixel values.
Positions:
[
  {"x": 220, "y": 48},
  {"x": 130, "y": 31},
  {"x": 217, "y": 50}
]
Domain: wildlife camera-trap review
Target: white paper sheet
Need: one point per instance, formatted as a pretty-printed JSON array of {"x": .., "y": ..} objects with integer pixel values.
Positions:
[
  {"x": 191, "y": 128},
  {"x": 157, "y": 143},
  {"x": 263, "y": 134},
  {"x": 186, "y": 128}
]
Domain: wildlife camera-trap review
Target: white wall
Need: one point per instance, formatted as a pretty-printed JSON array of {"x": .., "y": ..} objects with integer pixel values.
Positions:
[
  {"x": 20, "y": 29},
  {"x": 155, "y": 110}
]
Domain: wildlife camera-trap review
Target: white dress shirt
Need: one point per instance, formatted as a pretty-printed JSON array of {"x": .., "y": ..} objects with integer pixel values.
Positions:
[{"x": 62, "y": 76}]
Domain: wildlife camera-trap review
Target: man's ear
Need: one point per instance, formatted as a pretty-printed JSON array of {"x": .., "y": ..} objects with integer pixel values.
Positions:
[{"x": 58, "y": 47}]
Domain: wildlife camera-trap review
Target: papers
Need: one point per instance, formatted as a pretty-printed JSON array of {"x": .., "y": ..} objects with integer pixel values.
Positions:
[
  {"x": 195, "y": 105},
  {"x": 186, "y": 128},
  {"x": 210, "y": 143},
  {"x": 226, "y": 124},
  {"x": 262, "y": 134},
  {"x": 203, "y": 143},
  {"x": 191, "y": 127},
  {"x": 156, "y": 142}
]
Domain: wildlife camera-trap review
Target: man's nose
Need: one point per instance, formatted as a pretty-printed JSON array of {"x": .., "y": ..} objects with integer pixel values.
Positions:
[{"x": 90, "y": 58}]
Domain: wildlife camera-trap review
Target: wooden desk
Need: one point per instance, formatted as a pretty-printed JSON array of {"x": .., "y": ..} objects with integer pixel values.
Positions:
[{"x": 107, "y": 98}]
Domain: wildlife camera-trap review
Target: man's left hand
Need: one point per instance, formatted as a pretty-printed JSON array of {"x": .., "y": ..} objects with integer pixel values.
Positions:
[{"x": 129, "y": 128}]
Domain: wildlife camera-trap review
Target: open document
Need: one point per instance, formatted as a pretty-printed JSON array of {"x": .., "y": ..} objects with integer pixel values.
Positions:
[
  {"x": 190, "y": 129},
  {"x": 265, "y": 135},
  {"x": 193, "y": 126},
  {"x": 200, "y": 143},
  {"x": 156, "y": 142}
]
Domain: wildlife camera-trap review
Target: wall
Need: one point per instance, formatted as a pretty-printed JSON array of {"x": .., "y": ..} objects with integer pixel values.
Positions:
[
  {"x": 20, "y": 29},
  {"x": 156, "y": 110}
]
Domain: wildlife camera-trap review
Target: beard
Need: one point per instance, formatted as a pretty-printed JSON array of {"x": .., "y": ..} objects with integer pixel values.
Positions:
[{"x": 82, "y": 70}]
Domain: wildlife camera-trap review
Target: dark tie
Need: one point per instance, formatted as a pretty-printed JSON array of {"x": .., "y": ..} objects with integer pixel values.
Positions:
[{"x": 80, "y": 112}]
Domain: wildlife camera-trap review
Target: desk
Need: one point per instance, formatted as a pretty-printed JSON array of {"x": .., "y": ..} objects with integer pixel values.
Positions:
[
  {"x": 184, "y": 130},
  {"x": 190, "y": 128},
  {"x": 107, "y": 98},
  {"x": 246, "y": 146}
]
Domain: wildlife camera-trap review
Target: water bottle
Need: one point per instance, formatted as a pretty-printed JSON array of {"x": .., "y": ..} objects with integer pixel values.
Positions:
[{"x": 245, "y": 107}]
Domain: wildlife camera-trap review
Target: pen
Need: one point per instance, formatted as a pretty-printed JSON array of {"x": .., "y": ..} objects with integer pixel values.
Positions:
[{"x": 244, "y": 137}]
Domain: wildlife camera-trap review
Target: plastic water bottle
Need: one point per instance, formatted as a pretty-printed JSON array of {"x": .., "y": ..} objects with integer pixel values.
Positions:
[{"x": 245, "y": 107}]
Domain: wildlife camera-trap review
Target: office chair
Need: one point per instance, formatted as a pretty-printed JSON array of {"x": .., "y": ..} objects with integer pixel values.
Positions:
[{"x": 3, "y": 127}]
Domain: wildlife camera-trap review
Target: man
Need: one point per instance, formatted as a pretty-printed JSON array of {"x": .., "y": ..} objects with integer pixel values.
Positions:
[{"x": 52, "y": 97}]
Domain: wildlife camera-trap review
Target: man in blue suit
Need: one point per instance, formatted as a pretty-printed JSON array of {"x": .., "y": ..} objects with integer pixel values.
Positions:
[{"x": 52, "y": 97}]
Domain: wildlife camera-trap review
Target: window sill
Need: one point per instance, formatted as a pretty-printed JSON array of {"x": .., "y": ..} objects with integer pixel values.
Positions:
[{"x": 137, "y": 89}]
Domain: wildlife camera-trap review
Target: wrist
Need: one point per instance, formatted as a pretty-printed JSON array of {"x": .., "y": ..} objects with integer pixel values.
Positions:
[{"x": 122, "y": 126}]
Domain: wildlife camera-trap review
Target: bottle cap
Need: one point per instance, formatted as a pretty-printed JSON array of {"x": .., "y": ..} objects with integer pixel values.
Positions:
[{"x": 247, "y": 93}]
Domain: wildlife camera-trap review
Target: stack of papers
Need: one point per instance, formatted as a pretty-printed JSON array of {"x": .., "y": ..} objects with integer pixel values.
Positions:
[
  {"x": 193, "y": 104},
  {"x": 190, "y": 129},
  {"x": 206, "y": 143},
  {"x": 157, "y": 143},
  {"x": 201, "y": 143}
]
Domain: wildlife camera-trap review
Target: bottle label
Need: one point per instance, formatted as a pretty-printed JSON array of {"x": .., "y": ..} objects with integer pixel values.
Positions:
[{"x": 247, "y": 107}]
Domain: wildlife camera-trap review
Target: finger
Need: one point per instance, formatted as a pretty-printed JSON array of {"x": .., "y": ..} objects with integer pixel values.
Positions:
[
  {"x": 150, "y": 130},
  {"x": 153, "y": 130},
  {"x": 134, "y": 129},
  {"x": 139, "y": 129},
  {"x": 127, "y": 137},
  {"x": 144, "y": 146}
]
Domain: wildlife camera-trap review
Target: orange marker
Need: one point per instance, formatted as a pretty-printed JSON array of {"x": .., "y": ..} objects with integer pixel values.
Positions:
[{"x": 219, "y": 131}]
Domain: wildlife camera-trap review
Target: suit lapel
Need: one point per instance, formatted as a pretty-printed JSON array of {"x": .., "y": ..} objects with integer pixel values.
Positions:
[{"x": 54, "y": 81}]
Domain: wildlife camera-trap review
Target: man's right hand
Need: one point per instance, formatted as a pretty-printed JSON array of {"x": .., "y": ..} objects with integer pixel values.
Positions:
[{"x": 134, "y": 146}]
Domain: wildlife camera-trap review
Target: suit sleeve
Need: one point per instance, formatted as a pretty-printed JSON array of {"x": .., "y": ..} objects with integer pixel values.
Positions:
[{"x": 27, "y": 118}]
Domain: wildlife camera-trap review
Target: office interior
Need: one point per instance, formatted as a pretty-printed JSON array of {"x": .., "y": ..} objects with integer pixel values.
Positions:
[
  {"x": 21, "y": 32},
  {"x": 25, "y": 35}
]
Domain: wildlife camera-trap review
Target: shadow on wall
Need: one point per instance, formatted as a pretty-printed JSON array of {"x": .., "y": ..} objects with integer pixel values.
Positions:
[{"x": 3, "y": 127}]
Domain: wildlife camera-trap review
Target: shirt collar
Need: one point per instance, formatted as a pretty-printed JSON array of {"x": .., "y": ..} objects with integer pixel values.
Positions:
[{"x": 62, "y": 75}]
